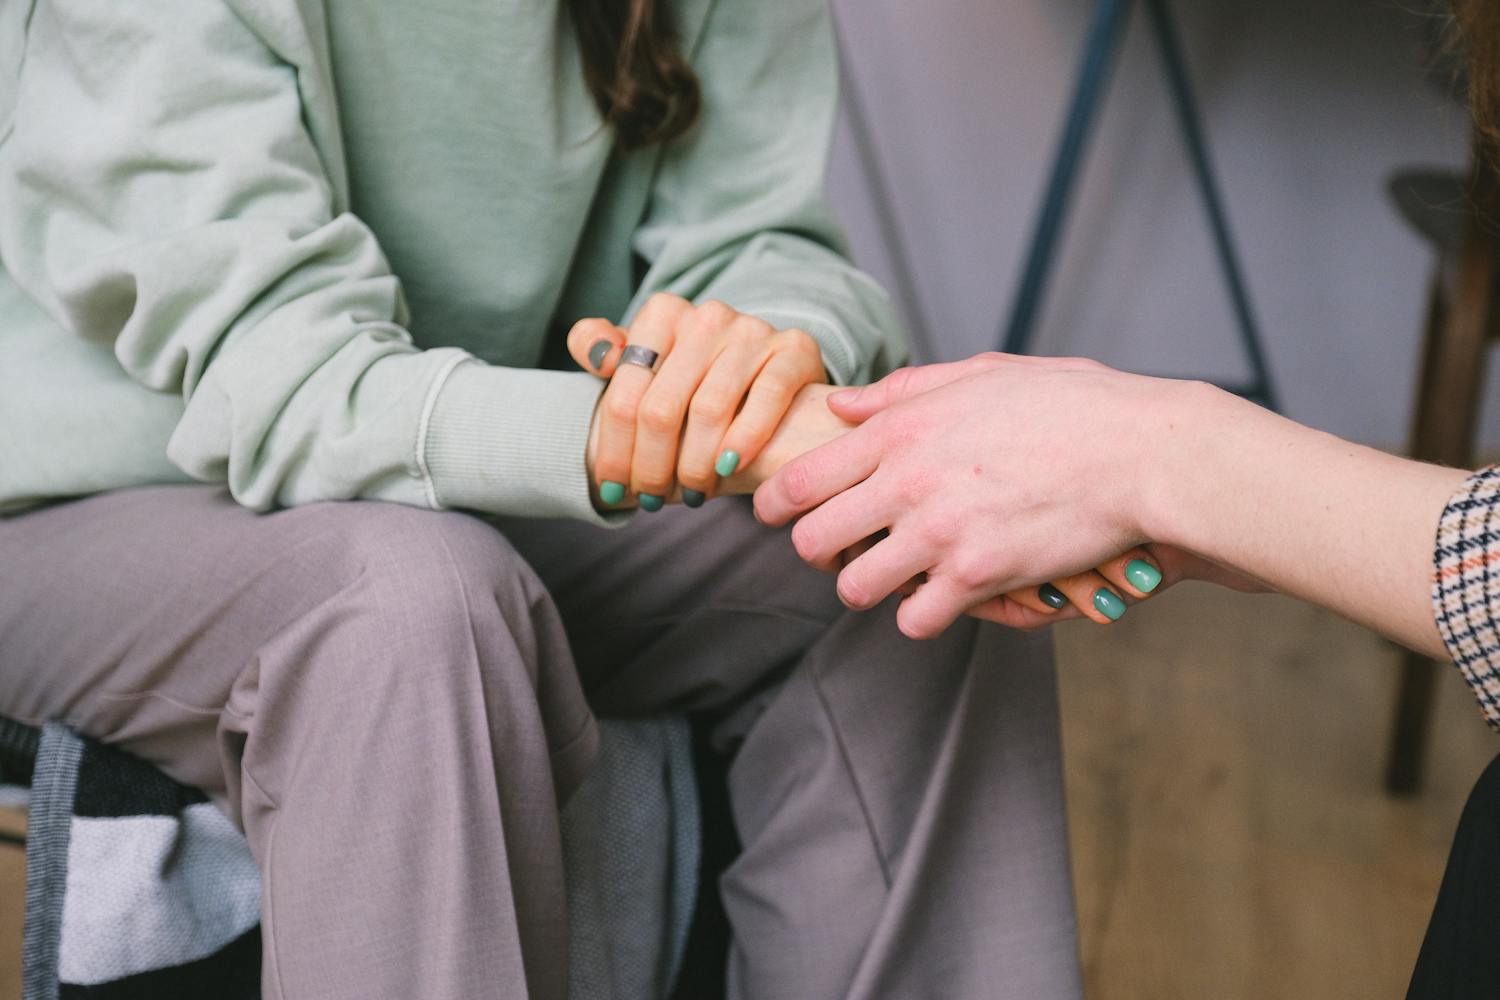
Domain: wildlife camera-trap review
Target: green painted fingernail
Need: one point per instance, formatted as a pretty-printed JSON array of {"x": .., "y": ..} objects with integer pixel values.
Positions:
[
  {"x": 650, "y": 502},
  {"x": 598, "y": 352},
  {"x": 727, "y": 463},
  {"x": 693, "y": 498},
  {"x": 1142, "y": 575},
  {"x": 1109, "y": 604},
  {"x": 1051, "y": 596},
  {"x": 611, "y": 492}
]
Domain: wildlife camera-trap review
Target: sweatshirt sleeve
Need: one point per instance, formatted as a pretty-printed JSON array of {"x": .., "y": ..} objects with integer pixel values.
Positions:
[
  {"x": 737, "y": 210},
  {"x": 1466, "y": 586},
  {"x": 160, "y": 192}
]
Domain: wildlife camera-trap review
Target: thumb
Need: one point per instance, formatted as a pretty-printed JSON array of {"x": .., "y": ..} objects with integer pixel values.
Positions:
[
  {"x": 856, "y": 405},
  {"x": 595, "y": 344}
]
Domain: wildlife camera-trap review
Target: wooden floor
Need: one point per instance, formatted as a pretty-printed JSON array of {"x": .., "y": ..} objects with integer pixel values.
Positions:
[
  {"x": 1230, "y": 837},
  {"x": 12, "y": 895}
]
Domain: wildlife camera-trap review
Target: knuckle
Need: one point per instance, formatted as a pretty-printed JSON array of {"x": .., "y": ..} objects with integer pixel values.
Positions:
[
  {"x": 972, "y": 573},
  {"x": 664, "y": 302},
  {"x": 620, "y": 407},
  {"x": 771, "y": 387},
  {"x": 936, "y": 534},
  {"x": 751, "y": 329},
  {"x": 711, "y": 408},
  {"x": 797, "y": 481},
  {"x": 793, "y": 339},
  {"x": 714, "y": 315},
  {"x": 696, "y": 476},
  {"x": 660, "y": 415}
]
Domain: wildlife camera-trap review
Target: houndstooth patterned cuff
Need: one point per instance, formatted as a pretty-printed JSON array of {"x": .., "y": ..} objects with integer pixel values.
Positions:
[{"x": 1466, "y": 586}]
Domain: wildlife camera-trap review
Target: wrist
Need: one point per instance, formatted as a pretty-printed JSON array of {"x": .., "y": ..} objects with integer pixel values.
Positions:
[{"x": 1186, "y": 453}]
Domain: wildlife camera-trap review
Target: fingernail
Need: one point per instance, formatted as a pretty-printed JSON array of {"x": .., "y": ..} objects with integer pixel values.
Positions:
[
  {"x": 650, "y": 502},
  {"x": 1142, "y": 575},
  {"x": 693, "y": 498},
  {"x": 727, "y": 463},
  {"x": 1109, "y": 604},
  {"x": 611, "y": 492},
  {"x": 845, "y": 396},
  {"x": 598, "y": 352},
  {"x": 1051, "y": 596}
]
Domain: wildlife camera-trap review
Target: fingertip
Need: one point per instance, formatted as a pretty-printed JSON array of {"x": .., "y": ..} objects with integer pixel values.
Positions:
[
  {"x": 845, "y": 400},
  {"x": 906, "y": 626},
  {"x": 595, "y": 344},
  {"x": 765, "y": 508}
]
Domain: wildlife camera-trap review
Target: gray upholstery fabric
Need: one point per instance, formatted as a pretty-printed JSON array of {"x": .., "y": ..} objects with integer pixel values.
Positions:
[{"x": 631, "y": 849}]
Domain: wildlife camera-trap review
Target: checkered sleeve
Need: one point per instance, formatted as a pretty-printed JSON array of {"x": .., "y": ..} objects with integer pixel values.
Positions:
[{"x": 1466, "y": 586}]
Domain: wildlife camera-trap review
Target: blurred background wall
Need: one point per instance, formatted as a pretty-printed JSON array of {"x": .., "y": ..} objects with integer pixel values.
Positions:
[
  {"x": 1230, "y": 833},
  {"x": 1309, "y": 106}
]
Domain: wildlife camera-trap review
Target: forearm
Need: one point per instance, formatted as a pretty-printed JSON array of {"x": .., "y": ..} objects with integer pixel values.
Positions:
[{"x": 1335, "y": 523}]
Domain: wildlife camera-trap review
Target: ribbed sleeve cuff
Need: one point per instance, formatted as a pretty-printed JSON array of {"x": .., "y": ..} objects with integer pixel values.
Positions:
[
  {"x": 511, "y": 441},
  {"x": 1466, "y": 586}
]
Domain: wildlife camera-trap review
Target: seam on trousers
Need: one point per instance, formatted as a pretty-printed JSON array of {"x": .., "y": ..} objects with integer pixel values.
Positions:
[
  {"x": 267, "y": 931},
  {"x": 864, "y": 809},
  {"x": 152, "y": 694}
]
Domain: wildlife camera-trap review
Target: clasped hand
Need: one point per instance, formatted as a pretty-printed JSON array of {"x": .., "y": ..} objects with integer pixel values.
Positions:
[
  {"x": 730, "y": 400},
  {"x": 949, "y": 484}
]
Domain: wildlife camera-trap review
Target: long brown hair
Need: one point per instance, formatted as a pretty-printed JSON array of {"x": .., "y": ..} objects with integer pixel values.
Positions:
[
  {"x": 1480, "y": 21},
  {"x": 635, "y": 69}
]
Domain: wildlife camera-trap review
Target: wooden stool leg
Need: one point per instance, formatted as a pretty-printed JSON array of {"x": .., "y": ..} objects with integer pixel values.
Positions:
[{"x": 1403, "y": 775}]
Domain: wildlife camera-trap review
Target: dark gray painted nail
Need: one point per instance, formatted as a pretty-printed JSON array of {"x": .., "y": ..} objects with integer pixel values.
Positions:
[
  {"x": 1051, "y": 596},
  {"x": 598, "y": 352},
  {"x": 693, "y": 498}
]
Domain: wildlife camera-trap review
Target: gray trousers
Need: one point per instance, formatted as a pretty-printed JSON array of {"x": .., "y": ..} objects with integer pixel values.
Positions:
[{"x": 391, "y": 703}]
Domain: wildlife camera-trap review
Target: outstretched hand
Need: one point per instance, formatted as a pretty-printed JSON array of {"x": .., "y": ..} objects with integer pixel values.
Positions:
[{"x": 984, "y": 488}]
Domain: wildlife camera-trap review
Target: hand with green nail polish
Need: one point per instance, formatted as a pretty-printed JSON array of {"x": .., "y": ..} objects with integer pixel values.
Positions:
[
  {"x": 720, "y": 387},
  {"x": 808, "y": 424}
]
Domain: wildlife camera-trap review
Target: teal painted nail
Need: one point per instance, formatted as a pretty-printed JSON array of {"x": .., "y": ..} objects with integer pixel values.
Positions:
[
  {"x": 1109, "y": 603},
  {"x": 727, "y": 463},
  {"x": 611, "y": 492},
  {"x": 1142, "y": 575},
  {"x": 693, "y": 498},
  {"x": 598, "y": 352},
  {"x": 650, "y": 502},
  {"x": 1051, "y": 596}
]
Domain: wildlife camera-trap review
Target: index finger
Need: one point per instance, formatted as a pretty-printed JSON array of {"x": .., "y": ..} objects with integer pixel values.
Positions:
[{"x": 811, "y": 478}]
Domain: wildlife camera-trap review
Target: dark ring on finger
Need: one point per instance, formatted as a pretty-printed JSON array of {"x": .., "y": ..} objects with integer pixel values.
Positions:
[{"x": 641, "y": 357}]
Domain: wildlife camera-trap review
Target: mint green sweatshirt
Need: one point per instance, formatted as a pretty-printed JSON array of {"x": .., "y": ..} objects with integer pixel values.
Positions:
[{"x": 325, "y": 250}]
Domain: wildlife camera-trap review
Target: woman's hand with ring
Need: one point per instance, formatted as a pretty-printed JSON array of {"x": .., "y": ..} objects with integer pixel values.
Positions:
[{"x": 723, "y": 382}]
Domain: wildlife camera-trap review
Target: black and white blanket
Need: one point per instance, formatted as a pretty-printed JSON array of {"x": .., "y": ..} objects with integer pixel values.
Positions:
[{"x": 138, "y": 887}]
